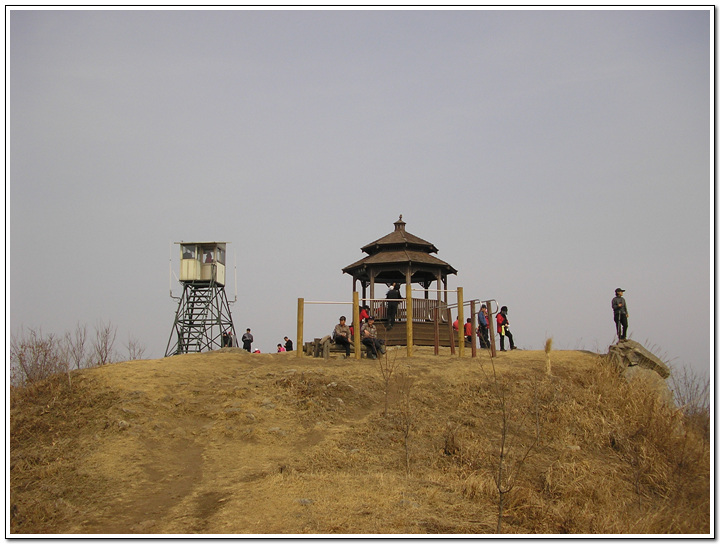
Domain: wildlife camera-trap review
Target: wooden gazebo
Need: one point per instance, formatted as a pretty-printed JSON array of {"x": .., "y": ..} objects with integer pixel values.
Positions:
[{"x": 401, "y": 257}]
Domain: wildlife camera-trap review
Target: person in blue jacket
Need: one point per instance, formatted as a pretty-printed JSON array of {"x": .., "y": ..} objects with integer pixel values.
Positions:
[{"x": 483, "y": 327}]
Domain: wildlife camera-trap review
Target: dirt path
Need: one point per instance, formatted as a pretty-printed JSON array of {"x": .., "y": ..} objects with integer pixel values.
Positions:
[{"x": 191, "y": 433}]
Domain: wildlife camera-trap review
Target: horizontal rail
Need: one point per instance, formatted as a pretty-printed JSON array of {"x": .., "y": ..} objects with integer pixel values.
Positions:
[
  {"x": 435, "y": 290},
  {"x": 325, "y": 302}
]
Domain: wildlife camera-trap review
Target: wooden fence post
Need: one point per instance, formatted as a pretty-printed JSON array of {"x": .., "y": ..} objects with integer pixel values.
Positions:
[
  {"x": 461, "y": 322},
  {"x": 356, "y": 323},
  {"x": 409, "y": 318},
  {"x": 437, "y": 329},
  {"x": 300, "y": 318},
  {"x": 451, "y": 334},
  {"x": 491, "y": 327},
  {"x": 473, "y": 342}
]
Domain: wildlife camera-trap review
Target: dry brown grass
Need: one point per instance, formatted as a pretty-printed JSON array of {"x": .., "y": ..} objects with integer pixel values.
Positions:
[{"x": 234, "y": 443}]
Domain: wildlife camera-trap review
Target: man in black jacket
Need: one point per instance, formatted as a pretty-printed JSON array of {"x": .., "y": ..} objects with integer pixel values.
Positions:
[
  {"x": 392, "y": 306},
  {"x": 247, "y": 340}
]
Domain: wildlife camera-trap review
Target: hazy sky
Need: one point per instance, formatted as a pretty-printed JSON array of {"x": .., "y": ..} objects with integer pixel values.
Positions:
[{"x": 551, "y": 156}]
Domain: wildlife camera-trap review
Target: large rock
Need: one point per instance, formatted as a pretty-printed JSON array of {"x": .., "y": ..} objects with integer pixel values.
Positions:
[
  {"x": 628, "y": 353},
  {"x": 638, "y": 364}
]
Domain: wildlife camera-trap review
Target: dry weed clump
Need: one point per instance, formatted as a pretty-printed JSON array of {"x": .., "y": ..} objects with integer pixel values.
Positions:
[{"x": 640, "y": 439}]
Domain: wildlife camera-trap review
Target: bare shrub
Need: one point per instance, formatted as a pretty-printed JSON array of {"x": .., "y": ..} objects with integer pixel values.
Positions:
[
  {"x": 404, "y": 383},
  {"x": 692, "y": 395},
  {"x": 135, "y": 349},
  {"x": 76, "y": 346},
  {"x": 35, "y": 356},
  {"x": 103, "y": 346},
  {"x": 515, "y": 443},
  {"x": 387, "y": 369}
]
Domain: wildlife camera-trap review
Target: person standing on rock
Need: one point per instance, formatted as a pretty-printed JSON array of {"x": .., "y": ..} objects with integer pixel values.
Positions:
[
  {"x": 247, "y": 340},
  {"x": 620, "y": 314}
]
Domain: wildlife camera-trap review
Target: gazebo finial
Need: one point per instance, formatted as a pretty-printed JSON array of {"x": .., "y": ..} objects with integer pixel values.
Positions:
[{"x": 400, "y": 224}]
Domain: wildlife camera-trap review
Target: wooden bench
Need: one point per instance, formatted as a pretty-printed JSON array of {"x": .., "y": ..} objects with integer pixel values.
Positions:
[{"x": 323, "y": 347}]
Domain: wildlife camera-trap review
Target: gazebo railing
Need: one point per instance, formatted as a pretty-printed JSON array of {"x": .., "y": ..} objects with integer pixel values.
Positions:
[{"x": 422, "y": 308}]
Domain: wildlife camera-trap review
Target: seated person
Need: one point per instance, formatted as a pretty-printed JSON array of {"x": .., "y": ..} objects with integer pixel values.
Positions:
[
  {"x": 468, "y": 331},
  {"x": 364, "y": 313},
  {"x": 370, "y": 339},
  {"x": 341, "y": 335}
]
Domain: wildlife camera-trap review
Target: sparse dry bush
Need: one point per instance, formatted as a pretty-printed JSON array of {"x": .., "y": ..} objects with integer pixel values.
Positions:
[
  {"x": 406, "y": 412},
  {"x": 76, "y": 346},
  {"x": 692, "y": 395},
  {"x": 103, "y": 346},
  {"x": 387, "y": 367},
  {"x": 518, "y": 433},
  {"x": 135, "y": 349},
  {"x": 35, "y": 356}
]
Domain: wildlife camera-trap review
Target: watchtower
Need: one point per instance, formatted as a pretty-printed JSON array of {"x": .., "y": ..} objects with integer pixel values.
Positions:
[{"x": 203, "y": 320}]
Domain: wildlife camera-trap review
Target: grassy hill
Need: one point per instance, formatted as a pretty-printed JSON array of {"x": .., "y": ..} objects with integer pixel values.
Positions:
[{"x": 236, "y": 443}]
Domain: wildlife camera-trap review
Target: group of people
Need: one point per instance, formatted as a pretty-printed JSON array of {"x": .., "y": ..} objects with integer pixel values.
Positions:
[
  {"x": 287, "y": 346},
  {"x": 343, "y": 334},
  {"x": 247, "y": 340},
  {"x": 483, "y": 330}
]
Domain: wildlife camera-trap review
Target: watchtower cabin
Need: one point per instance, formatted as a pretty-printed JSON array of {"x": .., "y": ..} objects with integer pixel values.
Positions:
[
  {"x": 403, "y": 258},
  {"x": 203, "y": 320}
]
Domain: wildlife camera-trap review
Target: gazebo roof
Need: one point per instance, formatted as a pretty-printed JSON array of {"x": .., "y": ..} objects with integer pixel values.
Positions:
[
  {"x": 399, "y": 238},
  {"x": 400, "y": 248}
]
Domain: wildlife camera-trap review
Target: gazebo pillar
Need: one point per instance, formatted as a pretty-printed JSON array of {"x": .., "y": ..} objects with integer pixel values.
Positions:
[{"x": 438, "y": 295}]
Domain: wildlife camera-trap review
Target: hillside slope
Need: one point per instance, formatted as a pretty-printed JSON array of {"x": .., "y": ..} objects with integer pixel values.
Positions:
[{"x": 236, "y": 443}]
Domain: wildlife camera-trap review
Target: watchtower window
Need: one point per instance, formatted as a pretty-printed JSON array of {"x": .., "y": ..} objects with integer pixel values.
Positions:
[
  {"x": 208, "y": 255},
  {"x": 189, "y": 252},
  {"x": 221, "y": 255}
]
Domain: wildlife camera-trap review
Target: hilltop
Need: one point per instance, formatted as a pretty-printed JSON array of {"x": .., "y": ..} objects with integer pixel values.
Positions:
[{"x": 229, "y": 442}]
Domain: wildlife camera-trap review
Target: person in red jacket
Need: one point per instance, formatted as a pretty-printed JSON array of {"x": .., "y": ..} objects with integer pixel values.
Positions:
[
  {"x": 468, "y": 331},
  {"x": 364, "y": 313},
  {"x": 503, "y": 328}
]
